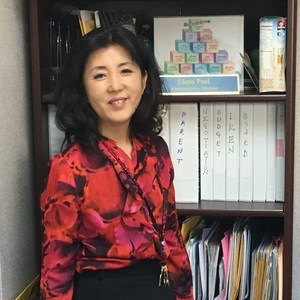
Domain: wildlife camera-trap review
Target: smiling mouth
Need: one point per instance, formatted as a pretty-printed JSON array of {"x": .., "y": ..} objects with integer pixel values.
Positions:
[{"x": 117, "y": 101}]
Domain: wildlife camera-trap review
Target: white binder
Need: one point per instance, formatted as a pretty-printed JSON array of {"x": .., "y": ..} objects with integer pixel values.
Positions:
[
  {"x": 206, "y": 150},
  {"x": 219, "y": 148},
  {"x": 184, "y": 149},
  {"x": 232, "y": 151},
  {"x": 246, "y": 151},
  {"x": 271, "y": 153},
  {"x": 259, "y": 151},
  {"x": 280, "y": 151}
]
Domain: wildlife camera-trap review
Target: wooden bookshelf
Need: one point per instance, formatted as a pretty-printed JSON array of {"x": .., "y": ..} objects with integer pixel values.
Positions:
[{"x": 40, "y": 12}]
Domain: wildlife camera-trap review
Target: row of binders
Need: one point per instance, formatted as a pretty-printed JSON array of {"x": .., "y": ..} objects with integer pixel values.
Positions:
[
  {"x": 234, "y": 260},
  {"x": 227, "y": 151}
]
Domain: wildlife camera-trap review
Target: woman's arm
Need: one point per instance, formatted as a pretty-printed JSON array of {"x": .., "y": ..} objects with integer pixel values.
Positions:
[
  {"x": 178, "y": 260},
  {"x": 60, "y": 208}
]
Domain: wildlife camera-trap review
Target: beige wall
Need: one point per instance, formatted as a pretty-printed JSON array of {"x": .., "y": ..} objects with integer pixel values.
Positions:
[
  {"x": 296, "y": 233},
  {"x": 17, "y": 244}
]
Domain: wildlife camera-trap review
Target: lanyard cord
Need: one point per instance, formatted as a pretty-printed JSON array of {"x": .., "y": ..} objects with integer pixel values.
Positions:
[
  {"x": 160, "y": 247},
  {"x": 158, "y": 229}
]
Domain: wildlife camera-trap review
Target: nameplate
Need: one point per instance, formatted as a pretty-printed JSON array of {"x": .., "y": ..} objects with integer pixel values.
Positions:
[{"x": 200, "y": 84}]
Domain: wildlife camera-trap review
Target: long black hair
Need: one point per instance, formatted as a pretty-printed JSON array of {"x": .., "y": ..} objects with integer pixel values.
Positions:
[{"x": 74, "y": 114}]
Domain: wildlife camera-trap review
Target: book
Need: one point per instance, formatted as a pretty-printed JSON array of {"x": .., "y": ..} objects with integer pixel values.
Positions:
[
  {"x": 232, "y": 151},
  {"x": 219, "y": 150},
  {"x": 184, "y": 149},
  {"x": 246, "y": 152},
  {"x": 206, "y": 150},
  {"x": 86, "y": 21}
]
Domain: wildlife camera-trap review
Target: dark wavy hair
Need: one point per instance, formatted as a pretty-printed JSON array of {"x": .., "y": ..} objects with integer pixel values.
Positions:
[{"x": 74, "y": 114}]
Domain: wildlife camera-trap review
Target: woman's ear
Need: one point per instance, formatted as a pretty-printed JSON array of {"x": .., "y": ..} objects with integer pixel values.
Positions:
[{"x": 145, "y": 77}]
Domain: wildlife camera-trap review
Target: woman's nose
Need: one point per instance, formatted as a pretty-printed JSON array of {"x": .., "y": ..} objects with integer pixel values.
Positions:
[{"x": 115, "y": 83}]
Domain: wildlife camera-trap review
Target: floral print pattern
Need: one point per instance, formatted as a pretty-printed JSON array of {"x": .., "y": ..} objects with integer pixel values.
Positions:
[{"x": 93, "y": 217}]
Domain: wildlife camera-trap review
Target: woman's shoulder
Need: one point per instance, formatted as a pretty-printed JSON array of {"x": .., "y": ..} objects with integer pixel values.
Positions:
[
  {"x": 72, "y": 153},
  {"x": 160, "y": 143},
  {"x": 157, "y": 145},
  {"x": 152, "y": 139},
  {"x": 81, "y": 159}
]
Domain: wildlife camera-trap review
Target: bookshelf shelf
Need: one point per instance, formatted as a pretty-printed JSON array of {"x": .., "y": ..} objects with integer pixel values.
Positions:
[
  {"x": 232, "y": 209},
  {"x": 243, "y": 97}
]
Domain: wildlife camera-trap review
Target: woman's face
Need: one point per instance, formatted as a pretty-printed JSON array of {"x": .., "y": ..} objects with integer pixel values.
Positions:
[{"x": 114, "y": 85}]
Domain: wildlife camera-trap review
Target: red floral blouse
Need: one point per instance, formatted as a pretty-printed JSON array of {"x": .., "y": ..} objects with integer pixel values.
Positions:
[{"x": 94, "y": 219}]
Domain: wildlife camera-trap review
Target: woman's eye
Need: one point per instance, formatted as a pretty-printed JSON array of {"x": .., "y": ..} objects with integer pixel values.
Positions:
[
  {"x": 99, "y": 76},
  {"x": 126, "y": 71}
]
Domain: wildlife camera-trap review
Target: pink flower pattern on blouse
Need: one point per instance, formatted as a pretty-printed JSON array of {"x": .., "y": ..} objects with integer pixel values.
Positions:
[{"x": 93, "y": 218}]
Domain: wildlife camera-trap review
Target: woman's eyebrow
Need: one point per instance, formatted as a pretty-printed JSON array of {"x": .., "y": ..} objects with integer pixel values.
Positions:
[{"x": 119, "y": 65}]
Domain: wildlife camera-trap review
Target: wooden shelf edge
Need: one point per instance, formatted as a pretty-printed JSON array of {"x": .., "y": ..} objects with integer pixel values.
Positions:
[
  {"x": 243, "y": 97},
  {"x": 231, "y": 208}
]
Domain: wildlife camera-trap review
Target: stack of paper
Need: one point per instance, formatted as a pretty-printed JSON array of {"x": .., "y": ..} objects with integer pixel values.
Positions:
[{"x": 236, "y": 261}]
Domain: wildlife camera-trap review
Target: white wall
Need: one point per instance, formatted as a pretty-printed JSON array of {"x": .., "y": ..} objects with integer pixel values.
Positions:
[
  {"x": 17, "y": 244},
  {"x": 296, "y": 233}
]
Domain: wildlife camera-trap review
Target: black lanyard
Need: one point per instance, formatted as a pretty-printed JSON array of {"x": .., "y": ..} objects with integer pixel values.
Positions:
[{"x": 159, "y": 245}]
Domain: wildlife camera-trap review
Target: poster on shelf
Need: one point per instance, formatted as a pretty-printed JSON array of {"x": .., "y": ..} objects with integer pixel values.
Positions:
[{"x": 204, "y": 50}]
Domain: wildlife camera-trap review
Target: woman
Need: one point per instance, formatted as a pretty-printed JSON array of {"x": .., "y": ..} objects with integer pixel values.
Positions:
[{"x": 109, "y": 217}]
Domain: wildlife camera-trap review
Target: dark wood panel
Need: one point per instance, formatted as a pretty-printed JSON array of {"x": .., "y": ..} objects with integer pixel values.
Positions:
[
  {"x": 290, "y": 135},
  {"x": 40, "y": 128}
]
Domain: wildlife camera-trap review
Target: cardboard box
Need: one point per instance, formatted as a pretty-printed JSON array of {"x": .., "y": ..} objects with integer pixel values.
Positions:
[{"x": 272, "y": 54}]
